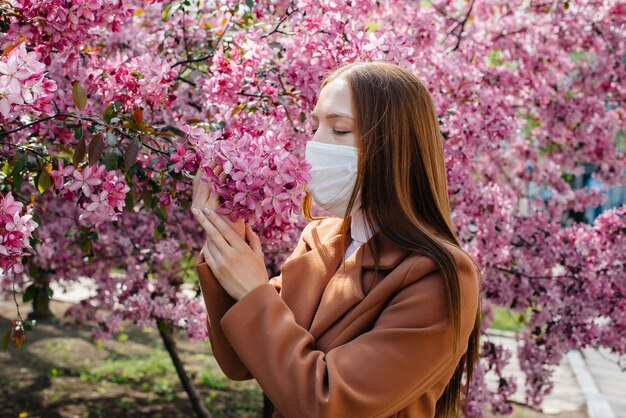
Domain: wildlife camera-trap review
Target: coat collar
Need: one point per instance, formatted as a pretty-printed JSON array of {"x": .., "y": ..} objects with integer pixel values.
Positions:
[
  {"x": 316, "y": 289},
  {"x": 390, "y": 254}
]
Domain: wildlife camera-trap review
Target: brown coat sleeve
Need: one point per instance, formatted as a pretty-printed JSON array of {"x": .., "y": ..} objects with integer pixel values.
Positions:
[
  {"x": 217, "y": 302},
  {"x": 374, "y": 375}
]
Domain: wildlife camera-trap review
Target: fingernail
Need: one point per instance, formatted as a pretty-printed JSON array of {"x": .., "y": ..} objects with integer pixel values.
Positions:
[{"x": 194, "y": 210}]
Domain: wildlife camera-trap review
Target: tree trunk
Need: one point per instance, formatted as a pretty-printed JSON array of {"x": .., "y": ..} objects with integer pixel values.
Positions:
[
  {"x": 170, "y": 345},
  {"x": 41, "y": 304}
]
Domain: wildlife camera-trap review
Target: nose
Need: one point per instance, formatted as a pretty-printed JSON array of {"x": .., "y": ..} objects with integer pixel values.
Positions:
[{"x": 319, "y": 136}]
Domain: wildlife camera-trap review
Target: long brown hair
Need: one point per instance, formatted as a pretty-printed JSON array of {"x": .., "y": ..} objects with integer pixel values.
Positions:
[{"x": 404, "y": 190}]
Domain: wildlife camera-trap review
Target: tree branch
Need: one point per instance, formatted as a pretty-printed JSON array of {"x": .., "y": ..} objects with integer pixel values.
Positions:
[{"x": 462, "y": 23}]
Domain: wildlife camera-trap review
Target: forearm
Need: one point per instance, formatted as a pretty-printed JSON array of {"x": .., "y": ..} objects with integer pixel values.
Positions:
[{"x": 217, "y": 302}]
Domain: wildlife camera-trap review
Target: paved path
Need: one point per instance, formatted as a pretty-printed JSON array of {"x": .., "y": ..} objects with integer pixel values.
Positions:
[{"x": 609, "y": 378}]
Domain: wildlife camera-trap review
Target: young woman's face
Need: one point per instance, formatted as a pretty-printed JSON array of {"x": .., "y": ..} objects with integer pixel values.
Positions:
[{"x": 333, "y": 121}]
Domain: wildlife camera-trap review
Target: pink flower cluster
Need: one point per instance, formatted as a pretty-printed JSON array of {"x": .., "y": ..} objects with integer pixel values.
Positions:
[
  {"x": 15, "y": 233},
  {"x": 103, "y": 192},
  {"x": 185, "y": 159},
  {"x": 59, "y": 24},
  {"x": 130, "y": 299},
  {"x": 24, "y": 88},
  {"x": 137, "y": 81},
  {"x": 264, "y": 183}
]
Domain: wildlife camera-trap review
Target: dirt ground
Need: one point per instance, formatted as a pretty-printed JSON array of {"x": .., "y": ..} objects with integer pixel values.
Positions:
[{"x": 61, "y": 372}]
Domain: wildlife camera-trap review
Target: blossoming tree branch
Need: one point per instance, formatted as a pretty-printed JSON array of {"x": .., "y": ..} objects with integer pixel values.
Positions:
[{"x": 108, "y": 109}]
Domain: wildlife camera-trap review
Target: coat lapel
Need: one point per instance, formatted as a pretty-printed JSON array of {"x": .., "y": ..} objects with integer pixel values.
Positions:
[
  {"x": 305, "y": 276},
  {"x": 316, "y": 290},
  {"x": 343, "y": 291},
  {"x": 343, "y": 287}
]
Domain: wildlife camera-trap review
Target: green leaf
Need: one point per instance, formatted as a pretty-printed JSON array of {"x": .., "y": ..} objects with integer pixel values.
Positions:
[
  {"x": 50, "y": 291},
  {"x": 19, "y": 165},
  {"x": 111, "y": 139},
  {"x": 162, "y": 213},
  {"x": 85, "y": 245},
  {"x": 302, "y": 116},
  {"x": 250, "y": 3},
  {"x": 96, "y": 146},
  {"x": 44, "y": 181},
  {"x": 33, "y": 270},
  {"x": 146, "y": 196},
  {"x": 17, "y": 174},
  {"x": 79, "y": 96},
  {"x": 110, "y": 159},
  {"x": 129, "y": 201},
  {"x": 158, "y": 232},
  {"x": 29, "y": 293},
  {"x": 79, "y": 153},
  {"x": 166, "y": 11},
  {"x": 109, "y": 112},
  {"x": 5, "y": 340}
]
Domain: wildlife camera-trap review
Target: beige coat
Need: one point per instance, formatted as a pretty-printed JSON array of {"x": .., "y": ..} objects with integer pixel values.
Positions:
[{"x": 321, "y": 344}]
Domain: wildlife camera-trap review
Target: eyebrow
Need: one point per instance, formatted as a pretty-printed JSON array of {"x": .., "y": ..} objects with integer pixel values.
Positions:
[{"x": 333, "y": 115}]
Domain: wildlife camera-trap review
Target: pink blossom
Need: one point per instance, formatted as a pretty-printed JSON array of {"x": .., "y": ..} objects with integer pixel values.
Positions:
[
  {"x": 86, "y": 179},
  {"x": 15, "y": 233}
]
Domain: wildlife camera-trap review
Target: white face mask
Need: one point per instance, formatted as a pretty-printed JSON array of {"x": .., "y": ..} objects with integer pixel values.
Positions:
[{"x": 333, "y": 176}]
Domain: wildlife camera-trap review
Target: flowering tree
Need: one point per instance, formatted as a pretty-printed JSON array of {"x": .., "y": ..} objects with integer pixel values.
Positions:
[{"x": 108, "y": 107}]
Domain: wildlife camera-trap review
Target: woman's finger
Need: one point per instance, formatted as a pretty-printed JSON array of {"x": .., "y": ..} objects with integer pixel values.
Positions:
[
  {"x": 195, "y": 180},
  {"x": 201, "y": 189},
  {"x": 208, "y": 257},
  {"x": 219, "y": 243},
  {"x": 214, "y": 198},
  {"x": 225, "y": 230},
  {"x": 209, "y": 245}
]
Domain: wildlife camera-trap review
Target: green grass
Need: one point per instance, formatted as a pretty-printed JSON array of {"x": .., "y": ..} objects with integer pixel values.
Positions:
[
  {"x": 213, "y": 379},
  {"x": 131, "y": 369},
  {"x": 505, "y": 320},
  {"x": 152, "y": 371}
]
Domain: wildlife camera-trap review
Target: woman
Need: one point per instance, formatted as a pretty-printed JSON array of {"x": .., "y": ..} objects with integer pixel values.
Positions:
[{"x": 382, "y": 327}]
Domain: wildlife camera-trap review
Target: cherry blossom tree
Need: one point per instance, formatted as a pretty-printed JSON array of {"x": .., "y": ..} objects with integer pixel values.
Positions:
[{"x": 109, "y": 107}]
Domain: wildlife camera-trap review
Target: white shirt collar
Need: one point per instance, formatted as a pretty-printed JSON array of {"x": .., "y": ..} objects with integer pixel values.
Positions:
[{"x": 359, "y": 230}]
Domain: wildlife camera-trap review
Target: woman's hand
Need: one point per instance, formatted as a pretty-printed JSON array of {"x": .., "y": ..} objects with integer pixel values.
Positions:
[
  {"x": 202, "y": 197},
  {"x": 238, "y": 267}
]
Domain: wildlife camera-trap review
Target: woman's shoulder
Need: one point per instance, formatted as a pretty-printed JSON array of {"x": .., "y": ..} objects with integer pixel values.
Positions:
[
  {"x": 420, "y": 265},
  {"x": 426, "y": 282}
]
